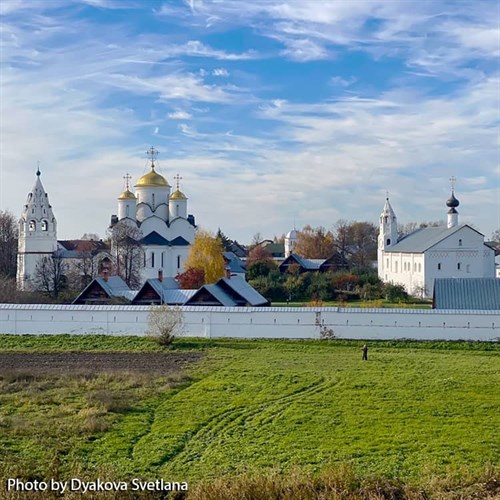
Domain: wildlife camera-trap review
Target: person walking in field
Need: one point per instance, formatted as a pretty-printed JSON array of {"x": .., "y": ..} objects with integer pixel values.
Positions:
[{"x": 365, "y": 352}]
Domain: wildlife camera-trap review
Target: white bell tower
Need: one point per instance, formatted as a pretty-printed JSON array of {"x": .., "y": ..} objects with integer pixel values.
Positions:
[
  {"x": 37, "y": 234},
  {"x": 388, "y": 234}
]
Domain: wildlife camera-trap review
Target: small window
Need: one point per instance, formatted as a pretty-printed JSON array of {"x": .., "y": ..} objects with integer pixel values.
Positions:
[
  {"x": 415, "y": 267},
  {"x": 386, "y": 219},
  {"x": 458, "y": 266},
  {"x": 152, "y": 259},
  {"x": 468, "y": 268},
  {"x": 419, "y": 268},
  {"x": 178, "y": 262},
  {"x": 177, "y": 210},
  {"x": 439, "y": 266},
  {"x": 387, "y": 262},
  {"x": 388, "y": 241},
  {"x": 126, "y": 210},
  {"x": 162, "y": 255},
  {"x": 45, "y": 226},
  {"x": 396, "y": 266},
  {"x": 32, "y": 225},
  {"x": 153, "y": 200},
  {"x": 460, "y": 243}
]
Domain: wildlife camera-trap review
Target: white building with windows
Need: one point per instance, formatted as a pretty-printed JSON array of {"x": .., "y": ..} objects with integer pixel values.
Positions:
[
  {"x": 416, "y": 260},
  {"x": 37, "y": 234},
  {"x": 162, "y": 218}
]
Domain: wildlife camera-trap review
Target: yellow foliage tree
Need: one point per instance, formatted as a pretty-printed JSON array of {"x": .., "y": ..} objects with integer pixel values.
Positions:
[{"x": 206, "y": 254}]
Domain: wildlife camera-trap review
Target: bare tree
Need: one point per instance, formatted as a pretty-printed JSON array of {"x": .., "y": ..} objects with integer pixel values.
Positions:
[
  {"x": 90, "y": 237},
  {"x": 165, "y": 323},
  {"x": 127, "y": 251},
  {"x": 8, "y": 244},
  {"x": 50, "y": 275}
]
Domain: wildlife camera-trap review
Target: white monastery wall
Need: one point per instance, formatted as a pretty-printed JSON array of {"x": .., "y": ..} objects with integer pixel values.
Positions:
[{"x": 273, "y": 322}]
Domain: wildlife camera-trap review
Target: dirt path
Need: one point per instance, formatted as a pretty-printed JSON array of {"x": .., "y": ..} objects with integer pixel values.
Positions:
[{"x": 74, "y": 362}]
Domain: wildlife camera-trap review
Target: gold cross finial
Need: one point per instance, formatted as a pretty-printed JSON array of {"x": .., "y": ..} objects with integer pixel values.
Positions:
[
  {"x": 453, "y": 181},
  {"x": 177, "y": 179},
  {"x": 127, "y": 178},
  {"x": 152, "y": 154}
]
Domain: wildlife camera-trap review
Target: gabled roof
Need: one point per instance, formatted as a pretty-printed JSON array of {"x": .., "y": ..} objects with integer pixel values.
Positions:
[
  {"x": 154, "y": 238},
  {"x": 219, "y": 296},
  {"x": 241, "y": 287},
  {"x": 82, "y": 246},
  {"x": 306, "y": 264},
  {"x": 230, "y": 293},
  {"x": 234, "y": 264},
  {"x": 114, "y": 286},
  {"x": 160, "y": 288},
  {"x": 467, "y": 293},
  {"x": 422, "y": 239},
  {"x": 179, "y": 242}
]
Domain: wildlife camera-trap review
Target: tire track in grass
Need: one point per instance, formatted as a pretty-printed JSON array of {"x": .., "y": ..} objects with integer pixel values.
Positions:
[{"x": 229, "y": 420}]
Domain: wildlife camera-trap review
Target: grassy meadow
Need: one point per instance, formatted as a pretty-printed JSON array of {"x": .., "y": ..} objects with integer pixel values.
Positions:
[{"x": 259, "y": 414}]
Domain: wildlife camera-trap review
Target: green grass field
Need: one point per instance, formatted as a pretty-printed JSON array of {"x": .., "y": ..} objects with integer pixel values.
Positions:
[{"x": 413, "y": 413}]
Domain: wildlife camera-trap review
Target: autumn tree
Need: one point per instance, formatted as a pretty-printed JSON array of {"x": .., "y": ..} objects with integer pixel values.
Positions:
[
  {"x": 191, "y": 279},
  {"x": 314, "y": 243},
  {"x": 50, "y": 275},
  {"x": 206, "y": 254},
  {"x": 8, "y": 244},
  {"x": 126, "y": 248},
  {"x": 258, "y": 253}
]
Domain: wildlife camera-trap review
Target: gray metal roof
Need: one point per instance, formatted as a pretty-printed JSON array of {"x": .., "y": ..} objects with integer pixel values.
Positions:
[
  {"x": 168, "y": 283},
  {"x": 467, "y": 293},
  {"x": 235, "y": 265},
  {"x": 219, "y": 294},
  {"x": 424, "y": 238},
  {"x": 246, "y": 291},
  {"x": 177, "y": 297}
]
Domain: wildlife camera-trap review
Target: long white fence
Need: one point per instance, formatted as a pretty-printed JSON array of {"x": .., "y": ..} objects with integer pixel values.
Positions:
[{"x": 271, "y": 322}]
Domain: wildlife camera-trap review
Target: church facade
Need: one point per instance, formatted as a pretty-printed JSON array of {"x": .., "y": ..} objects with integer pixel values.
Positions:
[
  {"x": 416, "y": 260},
  {"x": 161, "y": 218}
]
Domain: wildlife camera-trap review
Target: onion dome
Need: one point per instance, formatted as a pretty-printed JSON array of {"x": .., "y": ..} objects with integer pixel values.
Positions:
[
  {"x": 127, "y": 195},
  {"x": 178, "y": 195},
  {"x": 452, "y": 202},
  {"x": 152, "y": 179}
]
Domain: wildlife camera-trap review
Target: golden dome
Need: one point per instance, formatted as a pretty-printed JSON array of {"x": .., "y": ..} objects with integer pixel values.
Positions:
[
  {"x": 152, "y": 179},
  {"x": 178, "y": 195},
  {"x": 127, "y": 195}
]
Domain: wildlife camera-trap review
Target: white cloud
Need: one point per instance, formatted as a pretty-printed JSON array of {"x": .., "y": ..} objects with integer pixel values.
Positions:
[
  {"x": 179, "y": 114},
  {"x": 220, "y": 72}
]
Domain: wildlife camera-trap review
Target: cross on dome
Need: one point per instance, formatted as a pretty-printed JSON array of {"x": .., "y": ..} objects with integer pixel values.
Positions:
[
  {"x": 152, "y": 153},
  {"x": 453, "y": 181},
  {"x": 127, "y": 178},
  {"x": 177, "y": 179}
]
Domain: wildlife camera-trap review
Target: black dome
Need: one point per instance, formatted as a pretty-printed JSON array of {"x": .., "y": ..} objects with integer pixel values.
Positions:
[{"x": 452, "y": 201}]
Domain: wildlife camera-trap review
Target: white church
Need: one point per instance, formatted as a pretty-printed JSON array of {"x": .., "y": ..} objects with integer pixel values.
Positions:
[
  {"x": 162, "y": 218},
  {"x": 416, "y": 260},
  {"x": 160, "y": 215}
]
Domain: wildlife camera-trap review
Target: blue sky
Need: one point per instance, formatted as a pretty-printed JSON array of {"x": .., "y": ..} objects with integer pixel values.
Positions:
[{"x": 272, "y": 111}]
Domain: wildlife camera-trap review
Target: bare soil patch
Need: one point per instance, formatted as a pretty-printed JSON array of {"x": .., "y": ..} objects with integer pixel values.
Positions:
[{"x": 47, "y": 363}]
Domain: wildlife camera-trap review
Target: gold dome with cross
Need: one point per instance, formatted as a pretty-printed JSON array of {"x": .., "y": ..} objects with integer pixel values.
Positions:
[{"x": 152, "y": 178}]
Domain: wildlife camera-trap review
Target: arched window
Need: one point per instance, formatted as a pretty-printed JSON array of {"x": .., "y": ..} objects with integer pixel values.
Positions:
[
  {"x": 162, "y": 255},
  {"x": 439, "y": 266},
  {"x": 32, "y": 225},
  {"x": 388, "y": 241},
  {"x": 177, "y": 210},
  {"x": 178, "y": 262},
  {"x": 460, "y": 243},
  {"x": 45, "y": 226},
  {"x": 458, "y": 266},
  {"x": 152, "y": 259}
]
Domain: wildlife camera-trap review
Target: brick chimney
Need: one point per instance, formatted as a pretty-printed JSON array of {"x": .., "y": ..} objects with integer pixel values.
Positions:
[
  {"x": 228, "y": 273},
  {"x": 160, "y": 275}
]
